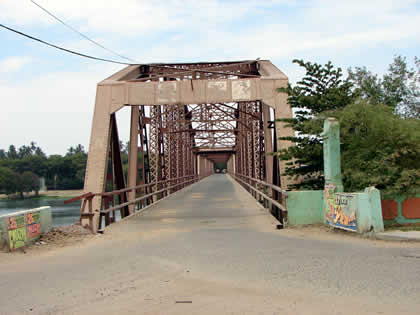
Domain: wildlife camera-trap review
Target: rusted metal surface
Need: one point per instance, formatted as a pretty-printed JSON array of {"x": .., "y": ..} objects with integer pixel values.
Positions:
[
  {"x": 185, "y": 117},
  {"x": 260, "y": 190}
]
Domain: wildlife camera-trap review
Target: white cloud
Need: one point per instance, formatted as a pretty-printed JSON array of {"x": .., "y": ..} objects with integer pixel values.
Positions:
[
  {"x": 54, "y": 110},
  {"x": 22, "y": 12},
  {"x": 205, "y": 26},
  {"x": 57, "y": 106},
  {"x": 133, "y": 17},
  {"x": 14, "y": 63}
]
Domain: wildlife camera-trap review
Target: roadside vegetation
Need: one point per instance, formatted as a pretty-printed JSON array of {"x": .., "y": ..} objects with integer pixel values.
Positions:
[
  {"x": 380, "y": 126},
  {"x": 21, "y": 169}
]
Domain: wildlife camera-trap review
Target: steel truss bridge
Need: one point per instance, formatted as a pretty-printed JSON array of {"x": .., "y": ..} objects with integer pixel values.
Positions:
[{"x": 184, "y": 119}]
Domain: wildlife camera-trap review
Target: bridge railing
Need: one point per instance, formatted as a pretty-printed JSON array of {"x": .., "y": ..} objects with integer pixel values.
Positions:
[
  {"x": 152, "y": 192},
  {"x": 116, "y": 200},
  {"x": 272, "y": 196}
]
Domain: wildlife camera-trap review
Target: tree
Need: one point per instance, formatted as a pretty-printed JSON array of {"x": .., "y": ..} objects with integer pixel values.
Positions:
[
  {"x": 8, "y": 183},
  {"x": 12, "y": 153},
  {"x": 322, "y": 89},
  {"x": 399, "y": 88},
  {"x": 61, "y": 172},
  {"x": 32, "y": 163},
  {"x": 76, "y": 150},
  {"x": 67, "y": 172},
  {"x": 24, "y": 151},
  {"x": 378, "y": 149},
  {"x": 27, "y": 182}
]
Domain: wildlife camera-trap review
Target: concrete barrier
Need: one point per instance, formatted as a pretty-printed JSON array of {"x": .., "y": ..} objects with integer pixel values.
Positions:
[
  {"x": 305, "y": 207},
  {"x": 357, "y": 212},
  {"x": 19, "y": 229}
]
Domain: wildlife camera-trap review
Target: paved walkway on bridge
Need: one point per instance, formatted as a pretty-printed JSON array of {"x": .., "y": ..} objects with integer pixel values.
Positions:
[{"x": 210, "y": 249}]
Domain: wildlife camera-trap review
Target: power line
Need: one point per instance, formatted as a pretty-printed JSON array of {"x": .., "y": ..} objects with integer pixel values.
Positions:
[
  {"x": 81, "y": 34},
  {"x": 61, "y": 48}
]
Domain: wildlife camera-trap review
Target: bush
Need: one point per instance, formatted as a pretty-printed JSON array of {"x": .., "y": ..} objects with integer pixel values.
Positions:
[{"x": 379, "y": 149}]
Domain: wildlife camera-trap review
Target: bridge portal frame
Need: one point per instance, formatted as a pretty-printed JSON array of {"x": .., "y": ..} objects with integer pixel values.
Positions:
[{"x": 208, "y": 85}]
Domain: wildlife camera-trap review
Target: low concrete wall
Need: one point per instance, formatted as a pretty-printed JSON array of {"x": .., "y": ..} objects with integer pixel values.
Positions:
[
  {"x": 355, "y": 212},
  {"x": 305, "y": 207},
  {"x": 19, "y": 229},
  {"x": 401, "y": 210}
]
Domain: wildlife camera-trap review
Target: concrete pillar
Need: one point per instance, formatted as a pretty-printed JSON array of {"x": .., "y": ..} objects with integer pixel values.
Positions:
[
  {"x": 98, "y": 151},
  {"x": 332, "y": 160}
]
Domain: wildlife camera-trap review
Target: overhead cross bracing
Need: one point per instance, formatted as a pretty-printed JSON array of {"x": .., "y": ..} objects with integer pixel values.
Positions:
[
  {"x": 184, "y": 118},
  {"x": 197, "y": 71}
]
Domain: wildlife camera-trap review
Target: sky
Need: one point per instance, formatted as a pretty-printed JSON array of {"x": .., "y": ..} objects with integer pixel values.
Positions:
[{"x": 47, "y": 96}]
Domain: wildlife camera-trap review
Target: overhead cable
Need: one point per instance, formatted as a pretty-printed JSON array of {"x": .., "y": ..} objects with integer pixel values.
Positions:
[
  {"x": 61, "y": 48},
  {"x": 81, "y": 34}
]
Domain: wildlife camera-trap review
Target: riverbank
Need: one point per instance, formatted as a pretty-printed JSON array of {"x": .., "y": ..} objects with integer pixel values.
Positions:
[
  {"x": 62, "y": 236},
  {"x": 63, "y": 214},
  {"x": 51, "y": 194}
]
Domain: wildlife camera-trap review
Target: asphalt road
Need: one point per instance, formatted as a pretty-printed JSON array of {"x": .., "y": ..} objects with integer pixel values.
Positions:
[{"x": 210, "y": 249}]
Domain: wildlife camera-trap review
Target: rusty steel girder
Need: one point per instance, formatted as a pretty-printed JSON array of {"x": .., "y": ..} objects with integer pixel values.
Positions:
[{"x": 184, "y": 118}]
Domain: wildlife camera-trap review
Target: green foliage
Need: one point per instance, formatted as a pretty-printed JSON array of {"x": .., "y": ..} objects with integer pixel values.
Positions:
[
  {"x": 12, "y": 182},
  {"x": 322, "y": 89},
  {"x": 67, "y": 172},
  {"x": 8, "y": 181},
  {"x": 12, "y": 153},
  {"x": 61, "y": 172},
  {"x": 27, "y": 182},
  {"x": 399, "y": 88},
  {"x": 378, "y": 149}
]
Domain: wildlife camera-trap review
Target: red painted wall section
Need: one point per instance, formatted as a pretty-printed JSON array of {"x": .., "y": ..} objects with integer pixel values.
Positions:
[
  {"x": 389, "y": 209},
  {"x": 411, "y": 208}
]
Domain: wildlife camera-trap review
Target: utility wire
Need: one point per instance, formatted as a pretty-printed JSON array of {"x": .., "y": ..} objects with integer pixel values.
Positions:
[
  {"x": 81, "y": 34},
  {"x": 61, "y": 48}
]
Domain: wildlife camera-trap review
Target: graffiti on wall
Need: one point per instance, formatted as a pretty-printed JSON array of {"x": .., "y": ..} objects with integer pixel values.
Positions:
[
  {"x": 341, "y": 209},
  {"x": 23, "y": 228}
]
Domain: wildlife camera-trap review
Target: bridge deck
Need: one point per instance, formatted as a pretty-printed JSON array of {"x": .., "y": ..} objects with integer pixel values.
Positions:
[{"x": 213, "y": 246}]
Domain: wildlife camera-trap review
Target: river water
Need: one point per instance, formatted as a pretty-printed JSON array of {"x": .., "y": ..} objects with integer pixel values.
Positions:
[{"x": 62, "y": 214}]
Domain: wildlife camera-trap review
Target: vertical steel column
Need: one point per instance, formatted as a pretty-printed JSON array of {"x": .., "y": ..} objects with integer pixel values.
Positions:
[
  {"x": 166, "y": 124},
  {"x": 268, "y": 149},
  {"x": 256, "y": 141},
  {"x": 178, "y": 143},
  {"x": 249, "y": 140},
  {"x": 143, "y": 151},
  {"x": 184, "y": 141},
  {"x": 117, "y": 165},
  {"x": 154, "y": 146},
  {"x": 133, "y": 155}
]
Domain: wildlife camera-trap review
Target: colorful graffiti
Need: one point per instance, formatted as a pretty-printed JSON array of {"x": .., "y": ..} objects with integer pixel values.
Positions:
[
  {"x": 341, "y": 209},
  {"x": 23, "y": 228}
]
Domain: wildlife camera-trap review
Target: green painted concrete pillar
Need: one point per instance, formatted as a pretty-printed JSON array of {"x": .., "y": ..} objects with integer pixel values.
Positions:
[{"x": 332, "y": 164}]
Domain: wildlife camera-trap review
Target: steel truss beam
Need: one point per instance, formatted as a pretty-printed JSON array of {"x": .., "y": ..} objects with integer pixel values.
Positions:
[{"x": 180, "y": 111}]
